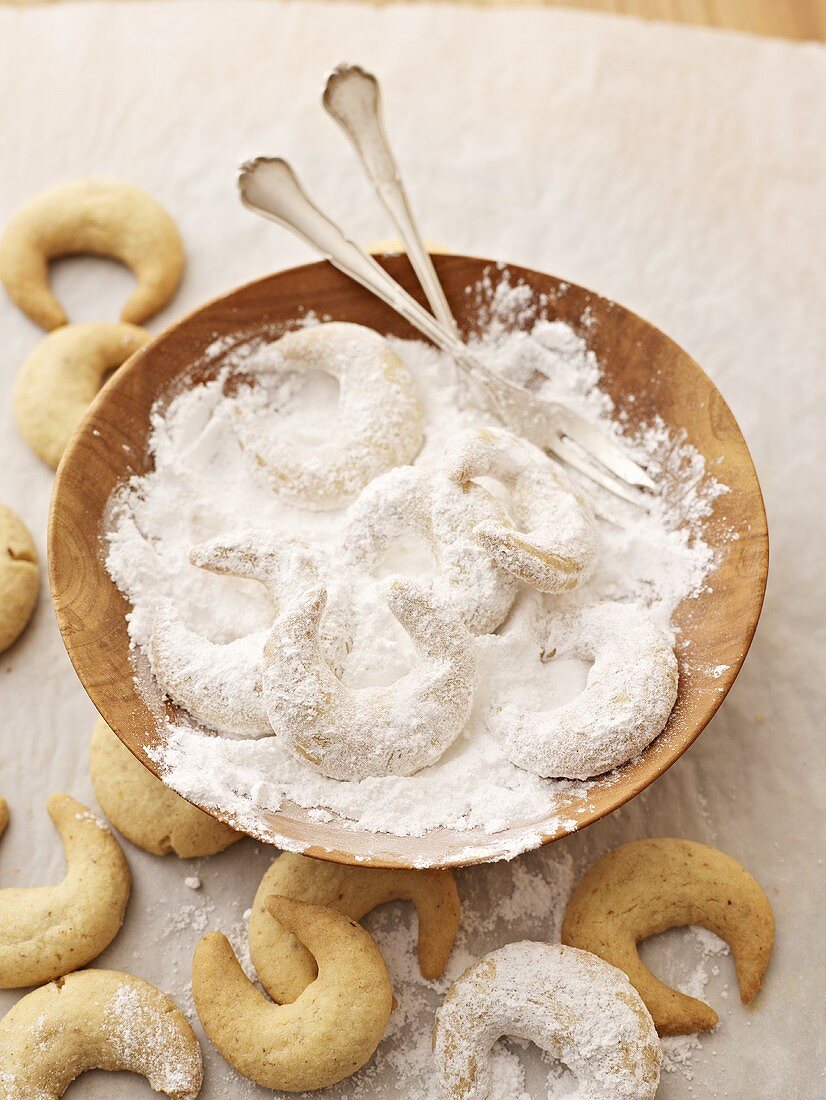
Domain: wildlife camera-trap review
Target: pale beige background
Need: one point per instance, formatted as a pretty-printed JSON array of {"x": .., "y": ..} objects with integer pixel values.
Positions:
[
  {"x": 677, "y": 170},
  {"x": 797, "y": 19}
]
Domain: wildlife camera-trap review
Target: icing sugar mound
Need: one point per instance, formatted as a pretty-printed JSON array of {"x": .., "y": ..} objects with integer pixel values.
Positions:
[{"x": 202, "y": 487}]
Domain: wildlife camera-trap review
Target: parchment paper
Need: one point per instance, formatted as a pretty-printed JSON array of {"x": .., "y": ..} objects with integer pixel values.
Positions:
[{"x": 682, "y": 172}]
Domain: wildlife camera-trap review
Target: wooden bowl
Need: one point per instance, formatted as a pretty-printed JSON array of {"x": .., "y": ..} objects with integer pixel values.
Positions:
[{"x": 645, "y": 373}]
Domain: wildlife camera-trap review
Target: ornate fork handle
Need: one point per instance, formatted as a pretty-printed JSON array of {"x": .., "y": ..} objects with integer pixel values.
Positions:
[{"x": 353, "y": 98}]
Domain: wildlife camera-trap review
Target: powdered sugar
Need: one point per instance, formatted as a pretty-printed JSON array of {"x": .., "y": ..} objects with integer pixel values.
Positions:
[
  {"x": 202, "y": 488},
  {"x": 149, "y": 1040}
]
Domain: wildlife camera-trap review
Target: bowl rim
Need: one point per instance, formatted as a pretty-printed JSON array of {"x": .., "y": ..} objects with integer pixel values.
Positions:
[{"x": 534, "y": 836}]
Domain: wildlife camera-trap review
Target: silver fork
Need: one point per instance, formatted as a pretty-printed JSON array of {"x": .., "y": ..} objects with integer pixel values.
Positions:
[
  {"x": 269, "y": 187},
  {"x": 353, "y": 98}
]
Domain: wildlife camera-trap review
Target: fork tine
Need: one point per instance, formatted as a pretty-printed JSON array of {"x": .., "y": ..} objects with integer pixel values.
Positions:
[
  {"x": 601, "y": 448},
  {"x": 563, "y": 450}
]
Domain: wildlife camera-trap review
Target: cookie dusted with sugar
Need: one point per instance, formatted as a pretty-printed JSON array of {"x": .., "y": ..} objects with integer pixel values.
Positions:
[
  {"x": 556, "y": 548},
  {"x": 649, "y": 886},
  {"x": 355, "y": 733},
  {"x": 379, "y": 423},
  {"x": 628, "y": 696},
  {"x": 424, "y": 503},
  {"x": 148, "y": 813},
  {"x": 19, "y": 577},
  {"x": 220, "y": 683},
  {"x": 573, "y": 1005},
  {"x": 101, "y": 217},
  {"x": 96, "y": 1019},
  {"x": 285, "y": 968}
]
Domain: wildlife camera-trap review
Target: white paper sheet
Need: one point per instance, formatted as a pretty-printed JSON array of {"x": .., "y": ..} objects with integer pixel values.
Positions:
[{"x": 682, "y": 172}]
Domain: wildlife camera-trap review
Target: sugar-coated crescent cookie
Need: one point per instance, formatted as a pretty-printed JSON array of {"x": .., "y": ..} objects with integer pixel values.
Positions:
[
  {"x": 96, "y": 1019},
  {"x": 424, "y": 503},
  {"x": 557, "y": 546},
  {"x": 62, "y": 376},
  {"x": 648, "y": 886},
  {"x": 148, "y": 813},
  {"x": 328, "y": 1033},
  {"x": 220, "y": 684},
  {"x": 47, "y": 931},
  {"x": 627, "y": 699},
  {"x": 216, "y": 683},
  {"x": 380, "y": 422},
  {"x": 19, "y": 577},
  {"x": 102, "y": 217},
  {"x": 354, "y": 733},
  {"x": 570, "y": 1003},
  {"x": 285, "y": 968}
]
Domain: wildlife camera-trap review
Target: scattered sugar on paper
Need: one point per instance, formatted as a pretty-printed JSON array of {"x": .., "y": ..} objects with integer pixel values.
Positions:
[{"x": 690, "y": 976}]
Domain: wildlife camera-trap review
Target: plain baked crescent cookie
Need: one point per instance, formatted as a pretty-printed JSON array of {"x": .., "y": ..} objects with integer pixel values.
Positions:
[
  {"x": 572, "y": 1004},
  {"x": 285, "y": 968},
  {"x": 148, "y": 813},
  {"x": 101, "y": 217},
  {"x": 379, "y": 424},
  {"x": 329, "y": 1032},
  {"x": 649, "y": 886},
  {"x": 47, "y": 931},
  {"x": 61, "y": 378},
  {"x": 96, "y": 1019},
  {"x": 425, "y": 503},
  {"x": 19, "y": 577}
]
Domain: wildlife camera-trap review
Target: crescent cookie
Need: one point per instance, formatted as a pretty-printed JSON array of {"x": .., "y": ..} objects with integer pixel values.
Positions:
[
  {"x": 649, "y": 886},
  {"x": 47, "y": 931},
  {"x": 628, "y": 696},
  {"x": 354, "y": 733},
  {"x": 285, "y": 968},
  {"x": 102, "y": 217},
  {"x": 412, "y": 501},
  {"x": 96, "y": 1019},
  {"x": 329, "y": 1032},
  {"x": 557, "y": 547},
  {"x": 380, "y": 421},
  {"x": 220, "y": 684},
  {"x": 19, "y": 577},
  {"x": 61, "y": 378},
  {"x": 149, "y": 814},
  {"x": 578, "y": 1008}
]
